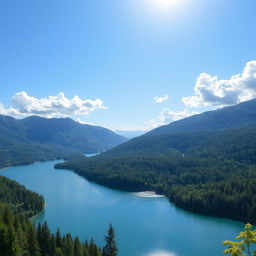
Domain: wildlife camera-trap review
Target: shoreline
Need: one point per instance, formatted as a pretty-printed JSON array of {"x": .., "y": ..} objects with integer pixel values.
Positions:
[
  {"x": 148, "y": 194},
  {"x": 36, "y": 215},
  {"x": 35, "y": 162},
  {"x": 4, "y": 168}
]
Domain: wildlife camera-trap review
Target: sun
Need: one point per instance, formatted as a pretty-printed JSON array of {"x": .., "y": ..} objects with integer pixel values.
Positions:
[{"x": 166, "y": 3}]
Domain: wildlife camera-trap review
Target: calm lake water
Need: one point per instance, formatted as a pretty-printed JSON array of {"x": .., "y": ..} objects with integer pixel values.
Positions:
[{"x": 145, "y": 226}]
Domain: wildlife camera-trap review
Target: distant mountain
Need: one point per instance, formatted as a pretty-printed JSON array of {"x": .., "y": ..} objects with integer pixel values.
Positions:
[
  {"x": 130, "y": 134},
  {"x": 229, "y": 117},
  {"x": 66, "y": 132},
  {"x": 191, "y": 131},
  {"x": 37, "y": 139}
]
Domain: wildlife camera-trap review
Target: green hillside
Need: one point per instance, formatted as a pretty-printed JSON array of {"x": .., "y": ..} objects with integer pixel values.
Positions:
[
  {"x": 209, "y": 171},
  {"x": 39, "y": 139},
  {"x": 226, "y": 118}
]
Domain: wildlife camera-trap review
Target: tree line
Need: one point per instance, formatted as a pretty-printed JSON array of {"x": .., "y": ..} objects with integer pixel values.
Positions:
[
  {"x": 19, "y": 237},
  {"x": 212, "y": 176}
]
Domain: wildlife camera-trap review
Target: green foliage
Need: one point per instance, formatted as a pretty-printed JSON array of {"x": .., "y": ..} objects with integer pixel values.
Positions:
[
  {"x": 229, "y": 117},
  {"x": 211, "y": 173},
  {"x": 50, "y": 139},
  {"x": 243, "y": 247},
  {"x": 19, "y": 237},
  {"x": 19, "y": 198}
]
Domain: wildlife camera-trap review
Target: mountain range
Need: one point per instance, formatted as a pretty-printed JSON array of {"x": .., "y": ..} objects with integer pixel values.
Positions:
[
  {"x": 35, "y": 139},
  {"x": 192, "y": 131},
  {"x": 204, "y": 163}
]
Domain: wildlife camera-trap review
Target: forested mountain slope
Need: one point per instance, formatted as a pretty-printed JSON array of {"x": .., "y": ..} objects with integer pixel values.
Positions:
[
  {"x": 214, "y": 177},
  {"x": 190, "y": 142},
  {"x": 66, "y": 132},
  {"x": 18, "y": 236},
  {"x": 208, "y": 167},
  {"x": 229, "y": 117},
  {"x": 39, "y": 139},
  {"x": 20, "y": 199},
  {"x": 191, "y": 132}
]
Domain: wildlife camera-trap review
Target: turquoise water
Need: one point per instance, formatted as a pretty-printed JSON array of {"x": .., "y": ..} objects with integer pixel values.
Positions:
[{"x": 145, "y": 226}]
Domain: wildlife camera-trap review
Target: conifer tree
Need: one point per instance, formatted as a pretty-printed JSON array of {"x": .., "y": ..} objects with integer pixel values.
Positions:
[
  {"x": 78, "y": 249},
  {"x": 110, "y": 248},
  {"x": 32, "y": 243},
  {"x": 59, "y": 242},
  {"x": 68, "y": 244},
  {"x": 58, "y": 252},
  {"x": 44, "y": 239},
  {"x": 13, "y": 248},
  {"x": 3, "y": 239}
]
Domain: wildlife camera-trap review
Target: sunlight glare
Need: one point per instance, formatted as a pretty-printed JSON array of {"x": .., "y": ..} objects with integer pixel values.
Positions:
[
  {"x": 162, "y": 253},
  {"x": 163, "y": 4}
]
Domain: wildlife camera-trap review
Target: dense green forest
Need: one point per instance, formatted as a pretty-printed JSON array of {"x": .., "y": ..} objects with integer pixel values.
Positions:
[
  {"x": 236, "y": 143},
  {"x": 23, "y": 154},
  {"x": 212, "y": 173},
  {"x": 19, "y": 199},
  {"x": 34, "y": 139},
  {"x": 235, "y": 116},
  {"x": 18, "y": 236}
]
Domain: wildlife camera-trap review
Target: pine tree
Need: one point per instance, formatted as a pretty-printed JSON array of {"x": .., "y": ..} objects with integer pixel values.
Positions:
[
  {"x": 110, "y": 249},
  {"x": 68, "y": 245},
  {"x": 59, "y": 242},
  {"x": 32, "y": 243},
  {"x": 44, "y": 239},
  {"x": 3, "y": 239},
  {"x": 58, "y": 252},
  {"x": 78, "y": 248},
  {"x": 12, "y": 241}
]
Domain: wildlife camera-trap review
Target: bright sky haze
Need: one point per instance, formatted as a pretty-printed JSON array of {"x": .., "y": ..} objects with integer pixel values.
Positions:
[{"x": 125, "y": 64}]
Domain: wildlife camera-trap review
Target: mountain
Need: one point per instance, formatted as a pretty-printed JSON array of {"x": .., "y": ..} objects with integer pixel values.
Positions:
[
  {"x": 211, "y": 173},
  {"x": 205, "y": 163},
  {"x": 129, "y": 134},
  {"x": 180, "y": 135},
  {"x": 50, "y": 139},
  {"x": 66, "y": 132},
  {"x": 229, "y": 117}
]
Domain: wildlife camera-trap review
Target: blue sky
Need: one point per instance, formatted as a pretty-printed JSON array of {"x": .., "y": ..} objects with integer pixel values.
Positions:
[{"x": 116, "y": 56}]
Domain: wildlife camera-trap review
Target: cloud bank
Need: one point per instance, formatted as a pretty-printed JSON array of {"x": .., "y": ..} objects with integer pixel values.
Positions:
[
  {"x": 211, "y": 91},
  {"x": 54, "y": 106},
  {"x": 167, "y": 116},
  {"x": 161, "y": 99}
]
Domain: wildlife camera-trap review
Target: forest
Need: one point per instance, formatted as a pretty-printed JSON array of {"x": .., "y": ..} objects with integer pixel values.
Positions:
[
  {"x": 50, "y": 139},
  {"x": 211, "y": 173},
  {"x": 19, "y": 199},
  {"x": 19, "y": 237}
]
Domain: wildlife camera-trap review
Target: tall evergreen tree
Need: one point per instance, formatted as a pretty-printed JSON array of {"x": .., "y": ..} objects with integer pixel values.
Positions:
[
  {"x": 32, "y": 243},
  {"x": 110, "y": 248},
  {"x": 58, "y": 238},
  {"x": 58, "y": 252},
  {"x": 78, "y": 248}
]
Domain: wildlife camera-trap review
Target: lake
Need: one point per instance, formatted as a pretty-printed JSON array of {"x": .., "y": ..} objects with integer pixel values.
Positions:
[{"x": 145, "y": 224}]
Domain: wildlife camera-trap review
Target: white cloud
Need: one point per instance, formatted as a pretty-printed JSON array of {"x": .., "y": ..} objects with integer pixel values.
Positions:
[
  {"x": 161, "y": 99},
  {"x": 54, "y": 106},
  {"x": 167, "y": 116},
  {"x": 2, "y": 110},
  {"x": 210, "y": 91}
]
